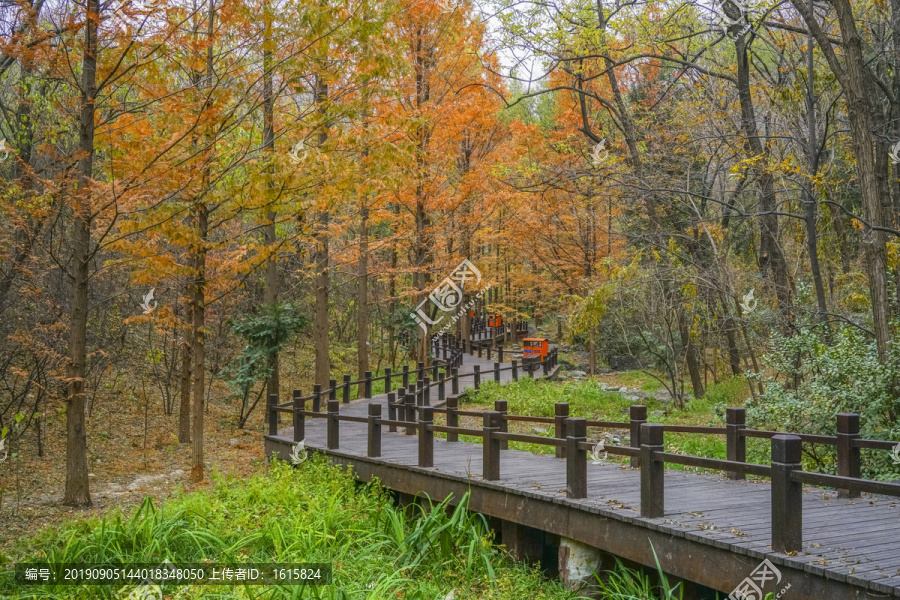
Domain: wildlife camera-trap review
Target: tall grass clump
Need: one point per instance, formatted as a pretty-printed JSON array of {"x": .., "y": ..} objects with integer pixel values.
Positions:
[
  {"x": 313, "y": 513},
  {"x": 623, "y": 583}
]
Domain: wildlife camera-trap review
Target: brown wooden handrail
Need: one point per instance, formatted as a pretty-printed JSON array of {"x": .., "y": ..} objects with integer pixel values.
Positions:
[
  {"x": 714, "y": 464},
  {"x": 836, "y": 481}
]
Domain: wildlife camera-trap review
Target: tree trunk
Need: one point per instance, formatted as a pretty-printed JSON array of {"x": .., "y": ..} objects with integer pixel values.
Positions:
[
  {"x": 184, "y": 411},
  {"x": 421, "y": 275},
  {"x": 320, "y": 325},
  {"x": 690, "y": 352},
  {"x": 840, "y": 231},
  {"x": 772, "y": 263},
  {"x": 421, "y": 253},
  {"x": 852, "y": 78},
  {"x": 392, "y": 288},
  {"x": 198, "y": 343},
  {"x": 273, "y": 383},
  {"x": 592, "y": 356},
  {"x": 894, "y": 120},
  {"x": 362, "y": 294},
  {"x": 77, "y": 492},
  {"x": 734, "y": 354},
  {"x": 198, "y": 298},
  {"x": 811, "y": 206}
]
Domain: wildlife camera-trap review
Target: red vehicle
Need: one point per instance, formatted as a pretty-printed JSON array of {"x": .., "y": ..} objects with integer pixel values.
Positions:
[{"x": 534, "y": 347}]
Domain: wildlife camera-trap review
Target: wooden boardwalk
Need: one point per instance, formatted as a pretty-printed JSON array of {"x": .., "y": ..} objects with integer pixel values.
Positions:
[{"x": 715, "y": 531}]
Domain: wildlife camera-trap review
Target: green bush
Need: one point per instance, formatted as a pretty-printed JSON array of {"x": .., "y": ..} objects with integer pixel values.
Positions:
[{"x": 816, "y": 380}]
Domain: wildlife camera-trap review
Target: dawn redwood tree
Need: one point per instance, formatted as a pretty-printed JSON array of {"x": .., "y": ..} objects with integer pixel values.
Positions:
[{"x": 77, "y": 488}]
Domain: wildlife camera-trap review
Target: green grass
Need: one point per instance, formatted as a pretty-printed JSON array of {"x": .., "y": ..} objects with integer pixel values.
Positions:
[
  {"x": 537, "y": 398},
  {"x": 623, "y": 583},
  {"x": 639, "y": 379},
  {"x": 314, "y": 513}
]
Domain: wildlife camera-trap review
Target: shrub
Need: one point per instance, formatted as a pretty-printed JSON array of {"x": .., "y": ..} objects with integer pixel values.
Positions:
[{"x": 817, "y": 379}]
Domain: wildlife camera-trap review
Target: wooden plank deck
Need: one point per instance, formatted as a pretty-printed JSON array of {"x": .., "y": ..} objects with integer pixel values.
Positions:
[{"x": 715, "y": 531}]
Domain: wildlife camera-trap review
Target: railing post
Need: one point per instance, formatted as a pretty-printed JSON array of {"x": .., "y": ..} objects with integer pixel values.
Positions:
[
  {"x": 638, "y": 414},
  {"x": 500, "y": 352},
  {"x": 480, "y": 350},
  {"x": 317, "y": 397},
  {"x": 299, "y": 417},
  {"x": 420, "y": 371},
  {"x": 502, "y": 407},
  {"x": 545, "y": 365},
  {"x": 452, "y": 417},
  {"x": 653, "y": 505},
  {"x": 426, "y": 392},
  {"x": 477, "y": 375},
  {"x": 367, "y": 389},
  {"x": 387, "y": 380},
  {"x": 405, "y": 376},
  {"x": 515, "y": 370},
  {"x": 374, "y": 450},
  {"x": 333, "y": 435},
  {"x": 576, "y": 459},
  {"x": 442, "y": 388},
  {"x": 273, "y": 414},
  {"x": 848, "y": 455},
  {"x": 497, "y": 372},
  {"x": 434, "y": 371},
  {"x": 426, "y": 437},
  {"x": 410, "y": 413},
  {"x": 562, "y": 413},
  {"x": 489, "y": 353},
  {"x": 416, "y": 391},
  {"x": 787, "y": 495},
  {"x": 345, "y": 393},
  {"x": 454, "y": 380},
  {"x": 490, "y": 470},
  {"x": 392, "y": 408},
  {"x": 736, "y": 444},
  {"x": 332, "y": 389}
]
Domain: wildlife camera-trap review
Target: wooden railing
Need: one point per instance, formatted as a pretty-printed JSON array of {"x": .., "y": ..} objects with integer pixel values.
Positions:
[
  {"x": 482, "y": 333},
  {"x": 410, "y": 409},
  {"x": 448, "y": 351},
  {"x": 411, "y": 395}
]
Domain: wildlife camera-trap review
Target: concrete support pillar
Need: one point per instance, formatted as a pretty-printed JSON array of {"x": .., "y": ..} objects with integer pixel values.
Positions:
[{"x": 577, "y": 564}]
